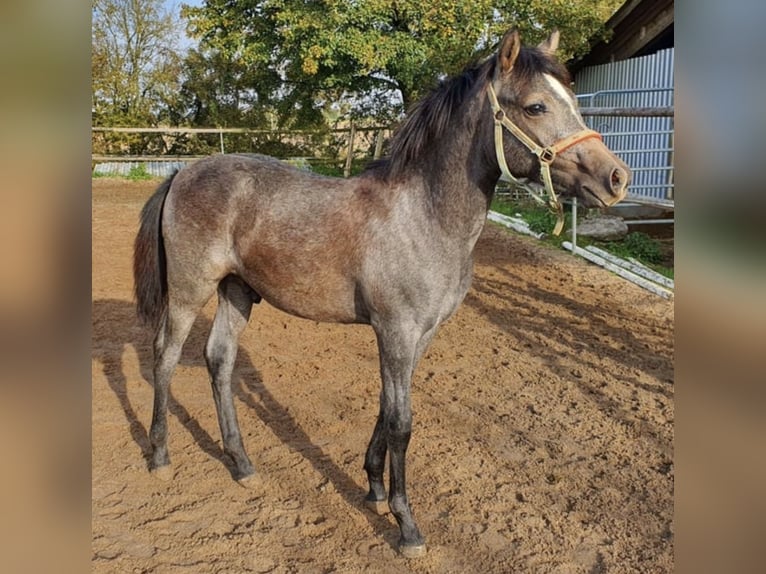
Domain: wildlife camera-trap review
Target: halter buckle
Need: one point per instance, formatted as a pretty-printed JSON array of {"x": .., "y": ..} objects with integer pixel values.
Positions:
[{"x": 547, "y": 155}]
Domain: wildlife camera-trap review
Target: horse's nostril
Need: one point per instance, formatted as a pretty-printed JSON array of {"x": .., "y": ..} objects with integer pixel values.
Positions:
[{"x": 619, "y": 179}]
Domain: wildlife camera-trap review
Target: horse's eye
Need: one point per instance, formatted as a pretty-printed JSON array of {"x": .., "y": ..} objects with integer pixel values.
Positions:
[{"x": 535, "y": 110}]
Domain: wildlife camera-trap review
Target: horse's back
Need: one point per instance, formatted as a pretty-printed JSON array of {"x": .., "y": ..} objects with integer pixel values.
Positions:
[{"x": 242, "y": 182}]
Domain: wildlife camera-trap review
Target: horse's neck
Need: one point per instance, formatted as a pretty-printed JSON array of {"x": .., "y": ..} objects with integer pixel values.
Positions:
[{"x": 459, "y": 178}]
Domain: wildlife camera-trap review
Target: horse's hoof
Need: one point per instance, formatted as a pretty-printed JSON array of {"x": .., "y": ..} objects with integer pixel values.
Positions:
[
  {"x": 417, "y": 551},
  {"x": 379, "y": 507},
  {"x": 249, "y": 481},
  {"x": 164, "y": 473}
]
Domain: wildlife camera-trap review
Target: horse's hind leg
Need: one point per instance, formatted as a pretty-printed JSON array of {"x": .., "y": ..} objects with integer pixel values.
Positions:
[
  {"x": 235, "y": 300},
  {"x": 168, "y": 344}
]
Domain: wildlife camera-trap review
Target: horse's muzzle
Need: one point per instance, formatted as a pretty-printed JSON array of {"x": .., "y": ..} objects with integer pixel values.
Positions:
[{"x": 602, "y": 182}]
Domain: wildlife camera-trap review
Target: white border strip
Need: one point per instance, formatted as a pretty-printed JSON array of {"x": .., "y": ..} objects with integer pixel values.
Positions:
[
  {"x": 634, "y": 272},
  {"x": 516, "y": 224},
  {"x": 621, "y": 271},
  {"x": 634, "y": 267}
]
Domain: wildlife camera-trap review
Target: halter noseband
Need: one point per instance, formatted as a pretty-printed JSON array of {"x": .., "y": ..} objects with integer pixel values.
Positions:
[{"x": 545, "y": 155}]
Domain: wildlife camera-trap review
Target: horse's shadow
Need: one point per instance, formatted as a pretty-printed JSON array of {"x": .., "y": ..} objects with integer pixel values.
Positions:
[
  {"x": 526, "y": 322},
  {"x": 116, "y": 328}
]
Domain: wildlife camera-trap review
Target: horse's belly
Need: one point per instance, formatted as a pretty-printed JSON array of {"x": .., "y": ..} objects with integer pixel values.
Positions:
[{"x": 325, "y": 298}]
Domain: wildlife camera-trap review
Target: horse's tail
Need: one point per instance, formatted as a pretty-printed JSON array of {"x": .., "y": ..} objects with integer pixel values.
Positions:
[{"x": 149, "y": 268}]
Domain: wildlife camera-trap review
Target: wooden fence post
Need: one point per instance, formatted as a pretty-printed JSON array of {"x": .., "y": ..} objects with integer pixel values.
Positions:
[
  {"x": 350, "y": 156},
  {"x": 378, "y": 144}
]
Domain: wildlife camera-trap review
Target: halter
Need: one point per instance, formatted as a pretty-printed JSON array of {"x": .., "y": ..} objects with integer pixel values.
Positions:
[{"x": 545, "y": 155}]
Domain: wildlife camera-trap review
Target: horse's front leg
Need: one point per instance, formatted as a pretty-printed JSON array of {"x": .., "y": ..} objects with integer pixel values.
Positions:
[
  {"x": 374, "y": 463},
  {"x": 399, "y": 351}
]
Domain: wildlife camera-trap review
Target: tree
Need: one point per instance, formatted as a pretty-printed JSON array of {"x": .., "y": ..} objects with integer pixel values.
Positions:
[
  {"x": 378, "y": 55},
  {"x": 135, "y": 63},
  {"x": 218, "y": 90}
]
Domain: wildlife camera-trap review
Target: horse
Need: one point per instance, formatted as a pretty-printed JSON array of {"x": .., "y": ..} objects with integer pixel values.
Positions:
[{"x": 391, "y": 247}]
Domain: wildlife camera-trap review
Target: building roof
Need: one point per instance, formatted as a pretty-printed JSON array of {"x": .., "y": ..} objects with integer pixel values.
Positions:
[{"x": 639, "y": 27}]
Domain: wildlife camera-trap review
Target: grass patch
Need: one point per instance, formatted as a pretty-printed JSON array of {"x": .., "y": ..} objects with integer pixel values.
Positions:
[
  {"x": 136, "y": 173},
  {"x": 639, "y": 246},
  {"x": 336, "y": 168},
  {"x": 139, "y": 173},
  {"x": 539, "y": 218},
  {"x": 635, "y": 245}
]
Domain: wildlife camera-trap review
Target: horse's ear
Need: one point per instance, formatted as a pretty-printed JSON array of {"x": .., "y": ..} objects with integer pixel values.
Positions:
[
  {"x": 550, "y": 45},
  {"x": 510, "y": 46}
]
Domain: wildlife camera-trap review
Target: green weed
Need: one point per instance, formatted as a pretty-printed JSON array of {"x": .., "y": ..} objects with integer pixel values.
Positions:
[{"x": 138, "y": 173}]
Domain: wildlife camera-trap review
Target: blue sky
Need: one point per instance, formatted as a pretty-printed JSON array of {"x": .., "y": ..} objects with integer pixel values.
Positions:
[
  {"x": 175, "y": 6},
  {"x": 177, "y": 3}
]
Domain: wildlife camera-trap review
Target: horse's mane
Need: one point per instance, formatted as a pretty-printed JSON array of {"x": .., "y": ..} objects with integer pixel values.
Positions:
[{"x": 427, "y": 121}]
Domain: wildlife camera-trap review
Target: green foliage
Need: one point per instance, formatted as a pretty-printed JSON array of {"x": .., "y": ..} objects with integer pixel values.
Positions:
[
  {"x": 640, "y": 246},
  {"x": 224, "y": 90},
  {"x": 539, "y": 218},
  {"x": 541, "y": 221},
  {"x": 134, "y": 63},
  {"x": 138, "y": 173},
  {"x": 579, "y": 21},
  {"x": 296, "y": 64},
  {"x": 335, "y": 168},
  {"x": 332, "y": 169},
  {"x": 360, "y": 53}
]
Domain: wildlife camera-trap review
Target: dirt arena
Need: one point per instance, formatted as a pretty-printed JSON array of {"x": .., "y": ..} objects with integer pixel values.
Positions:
[{"x": 542, "y": 437}]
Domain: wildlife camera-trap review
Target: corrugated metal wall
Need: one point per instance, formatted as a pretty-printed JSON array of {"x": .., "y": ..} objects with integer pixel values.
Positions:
[
  {"x": 644, "y": 143},
  {"x": 153, "y": 168}
]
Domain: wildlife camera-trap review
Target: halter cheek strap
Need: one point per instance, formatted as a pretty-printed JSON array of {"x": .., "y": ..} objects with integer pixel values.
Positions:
[{"x": 545, "y": 155}]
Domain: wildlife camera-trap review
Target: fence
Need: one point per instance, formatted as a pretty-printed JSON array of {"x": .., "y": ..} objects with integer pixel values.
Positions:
[
  {"x": 653, "y": 171},
  {"x": 172, "y": 147},
  {"x": 630, "y": 103}
]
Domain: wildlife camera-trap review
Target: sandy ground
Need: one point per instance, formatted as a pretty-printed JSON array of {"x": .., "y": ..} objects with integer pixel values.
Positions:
[{"x": 542, "y": 440}]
